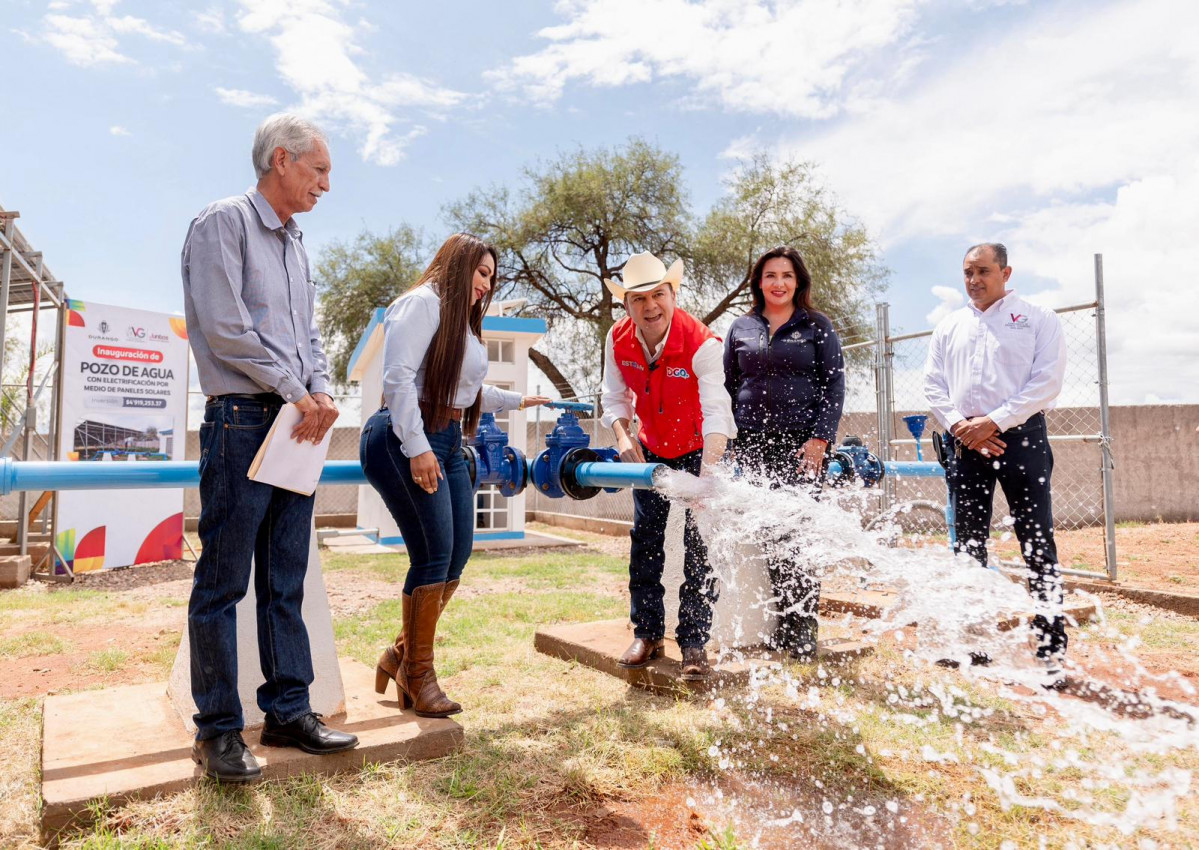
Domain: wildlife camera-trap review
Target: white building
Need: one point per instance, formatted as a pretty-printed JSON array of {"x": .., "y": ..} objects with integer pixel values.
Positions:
[{"x": 508, "y": 339}]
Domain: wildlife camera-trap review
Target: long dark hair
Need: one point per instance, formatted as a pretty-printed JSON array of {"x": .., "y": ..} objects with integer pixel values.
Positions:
[
  {"x": 802, "y": 297},
  {"x": 453, "y": 272}
]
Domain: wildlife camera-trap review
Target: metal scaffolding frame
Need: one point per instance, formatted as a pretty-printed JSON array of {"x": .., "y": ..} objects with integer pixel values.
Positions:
[{"x": 28, "y": 286}]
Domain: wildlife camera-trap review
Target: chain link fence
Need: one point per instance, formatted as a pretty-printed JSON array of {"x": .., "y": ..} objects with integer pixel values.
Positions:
[
  {"x": 885, "y": 384},
  {"x": 1074, "y": 425}
]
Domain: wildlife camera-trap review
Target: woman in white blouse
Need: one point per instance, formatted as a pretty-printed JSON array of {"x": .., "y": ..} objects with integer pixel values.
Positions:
[{"x": 434, "y": 363}]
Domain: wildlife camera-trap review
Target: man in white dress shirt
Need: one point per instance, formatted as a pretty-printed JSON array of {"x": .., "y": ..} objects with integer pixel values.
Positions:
[
  {"x": 994, "y": 366},
  {"x": 666, "y": 366}
]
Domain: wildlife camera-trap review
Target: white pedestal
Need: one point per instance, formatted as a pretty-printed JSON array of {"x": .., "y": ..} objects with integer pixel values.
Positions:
[
  {"x": 741, "y": 615},
  {"x": 327, "y": 694}
]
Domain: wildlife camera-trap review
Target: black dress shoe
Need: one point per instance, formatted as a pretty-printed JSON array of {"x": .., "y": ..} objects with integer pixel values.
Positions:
[
  {"x": 307, "y": 733},
  {"x": 641, "y": 652},
  {"x": 695, "y": 664},
  {"x": 977, "y": 659},
  {"x": 226, "y": 758}
]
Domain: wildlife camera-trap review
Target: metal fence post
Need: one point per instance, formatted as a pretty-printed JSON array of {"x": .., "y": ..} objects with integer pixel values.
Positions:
[
  {"x": 1107, "y": 466},
  {"x": 883, "y": 392}
]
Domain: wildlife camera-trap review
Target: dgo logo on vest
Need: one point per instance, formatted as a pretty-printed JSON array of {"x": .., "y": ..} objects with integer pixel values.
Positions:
[{"x": 677, "y": 372}]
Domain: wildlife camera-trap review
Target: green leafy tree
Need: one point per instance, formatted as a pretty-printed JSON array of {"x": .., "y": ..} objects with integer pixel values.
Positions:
[
  {"x": 573, "y": 221},
  {"x": 355, "y": 278},
  {"x": 769, "y": 203}
]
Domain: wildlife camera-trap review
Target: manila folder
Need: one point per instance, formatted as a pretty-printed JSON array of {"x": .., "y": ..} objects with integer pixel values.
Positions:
[{"x": 282, "y": 462}]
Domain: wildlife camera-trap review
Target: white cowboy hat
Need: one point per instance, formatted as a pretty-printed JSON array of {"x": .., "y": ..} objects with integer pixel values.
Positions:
[{"x": 642, "y": 272}]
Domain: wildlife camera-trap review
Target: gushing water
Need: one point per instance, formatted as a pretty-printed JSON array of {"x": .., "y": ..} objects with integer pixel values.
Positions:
[{"x": 1082, "y": 754}]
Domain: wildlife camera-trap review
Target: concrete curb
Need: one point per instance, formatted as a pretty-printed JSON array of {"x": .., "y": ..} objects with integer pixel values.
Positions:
[{"x": 1180, "y": 603}]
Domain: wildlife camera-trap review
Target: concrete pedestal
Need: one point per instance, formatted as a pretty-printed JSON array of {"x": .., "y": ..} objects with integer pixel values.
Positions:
[
  {"x": 600, "y": 644},
  {"x": 326, "y": 695},
  {"x": 124, "y": 743},
  {"x": 741, "y": 616}
]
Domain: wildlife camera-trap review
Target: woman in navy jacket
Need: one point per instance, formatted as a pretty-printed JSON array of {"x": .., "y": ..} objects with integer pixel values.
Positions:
[{"x": 784, "y": 371}]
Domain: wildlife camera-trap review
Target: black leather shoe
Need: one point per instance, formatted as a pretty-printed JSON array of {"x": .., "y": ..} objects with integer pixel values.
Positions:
[
  {"x": 695, "y": 664},
  {"x": 226, "y": 758},
  {"x": 641, "y": 652},
  {"x": 307, "y": 733},
  {"x": 977, "y": 659}
]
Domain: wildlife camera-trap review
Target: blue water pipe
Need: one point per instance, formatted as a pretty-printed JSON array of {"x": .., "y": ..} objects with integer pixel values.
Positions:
[
  {"x": 568, "y": 467},
  {"x": 916, "y": 423}
]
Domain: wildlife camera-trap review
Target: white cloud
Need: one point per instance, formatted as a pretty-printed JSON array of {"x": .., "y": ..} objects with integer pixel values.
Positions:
[
  {"x": 1067, "y": 136},
  {"x": 118, "y": 130},
  {"x": 1152, "y": 309},
  {"x": 788, "y": 57},
  {"x": 83, "y": 41},
  {"x": 949, "y": 299},
  {"x": 318, "y": 56},
  {"x": 142, "y": 27},
  {"x": 93, "y": 39},
  {"x": 1060, "y": 106},
  {"x": 241, "y": 97},
  {"x": 210, "y": 20}
]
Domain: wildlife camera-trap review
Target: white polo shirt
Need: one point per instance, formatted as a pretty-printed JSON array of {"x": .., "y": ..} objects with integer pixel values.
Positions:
[{"x": 1006, "y": 362}]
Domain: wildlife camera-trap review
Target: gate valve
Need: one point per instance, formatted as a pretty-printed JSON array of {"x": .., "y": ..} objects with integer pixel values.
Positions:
[{"x": 491, "y": 460}]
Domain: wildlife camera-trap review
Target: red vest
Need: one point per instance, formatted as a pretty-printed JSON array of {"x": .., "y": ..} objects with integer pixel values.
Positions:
[{"x": 667, "y": 392}]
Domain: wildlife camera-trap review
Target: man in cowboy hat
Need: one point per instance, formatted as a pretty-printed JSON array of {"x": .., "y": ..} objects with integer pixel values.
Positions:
[{"x": 665, "y": 365}]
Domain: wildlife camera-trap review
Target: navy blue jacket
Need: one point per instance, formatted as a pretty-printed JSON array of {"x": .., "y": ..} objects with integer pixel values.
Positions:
[{"x": 794, "y": 381}]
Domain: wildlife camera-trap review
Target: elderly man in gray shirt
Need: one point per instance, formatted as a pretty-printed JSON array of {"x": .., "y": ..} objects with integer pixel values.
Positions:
[{"x": 249, "y": 300}]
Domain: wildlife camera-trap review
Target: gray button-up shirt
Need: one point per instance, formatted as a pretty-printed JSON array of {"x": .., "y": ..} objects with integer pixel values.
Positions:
[{"x": 250, "y": 302}]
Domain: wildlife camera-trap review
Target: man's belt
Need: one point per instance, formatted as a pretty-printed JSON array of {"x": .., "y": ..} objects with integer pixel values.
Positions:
[{"x": 262, "y": 398}]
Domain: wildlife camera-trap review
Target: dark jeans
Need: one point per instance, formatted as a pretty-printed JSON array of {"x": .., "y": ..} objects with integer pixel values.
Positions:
[
  {"x": 438, "y": 528},
  {"x": 242, "y": 520},
  {"x": 1023, "y": 471},
  {"x": 775, "y": 455},
  {"x": 648, "y": 556}
]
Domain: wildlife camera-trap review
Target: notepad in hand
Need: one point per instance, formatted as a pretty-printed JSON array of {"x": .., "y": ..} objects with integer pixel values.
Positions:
[{"x": 282, "y": 462}]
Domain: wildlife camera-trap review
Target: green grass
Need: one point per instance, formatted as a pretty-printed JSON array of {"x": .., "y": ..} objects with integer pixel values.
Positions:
[
  {"x": 68, "y": 605},
  {"x": 549, "y": 743},
  {"x": 107, "y": 660},
  {"x": 31, "y": 644},
  {"x": 1174, "y": 634}
]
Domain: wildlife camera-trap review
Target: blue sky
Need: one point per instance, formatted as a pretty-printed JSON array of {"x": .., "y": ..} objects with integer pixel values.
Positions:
[{"x": 1062, "y": 128}]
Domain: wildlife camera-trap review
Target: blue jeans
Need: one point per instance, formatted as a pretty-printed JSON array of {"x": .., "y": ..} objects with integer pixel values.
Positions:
[
  {"x": 243, "y": 521},
  {"x": 438, "y": 528},
  {"x": 1023, "y": 471},
  {"x": 647, "y": 558}
]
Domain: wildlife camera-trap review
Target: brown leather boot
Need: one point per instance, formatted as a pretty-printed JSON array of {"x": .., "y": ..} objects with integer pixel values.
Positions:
[
  {"x": 392, "y": 657},
  {"x": 416, "y": 679},
  {"x": 641, "y": 652},
  {"x": 695, "y": 666}
]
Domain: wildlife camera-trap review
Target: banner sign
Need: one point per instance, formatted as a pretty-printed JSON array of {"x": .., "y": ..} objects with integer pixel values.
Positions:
[{"x": 124, "y": 400}]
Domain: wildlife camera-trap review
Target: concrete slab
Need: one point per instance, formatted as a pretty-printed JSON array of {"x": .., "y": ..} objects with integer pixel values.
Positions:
[
  {"x": 531, "y": 540},
  {"x": 600, "y": 644},
  {"x": 14, "y": 570},
  {"x": 873, "y": 604},
  {"x": 355, "y": 544},
  {"x": 129, "y": 742}
]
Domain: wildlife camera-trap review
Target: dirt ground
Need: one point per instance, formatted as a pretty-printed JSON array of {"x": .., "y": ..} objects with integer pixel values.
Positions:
[
  {"x": 154, "y": 613},
  {"x": 1156, "y": 556},
  {"x": 146, "y": 627},
  {"x": 146, "y": 624}
]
